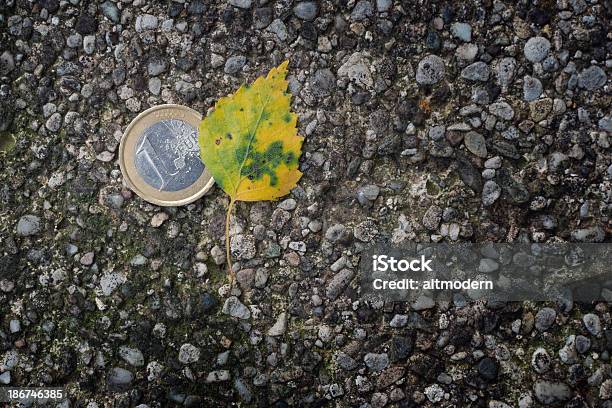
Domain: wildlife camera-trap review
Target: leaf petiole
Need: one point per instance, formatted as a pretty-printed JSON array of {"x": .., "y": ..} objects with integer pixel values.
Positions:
[{"x": 228, "y": 253}]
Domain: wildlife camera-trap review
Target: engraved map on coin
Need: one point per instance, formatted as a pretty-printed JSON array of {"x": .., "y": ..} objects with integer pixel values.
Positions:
[{"x": 167, "y": 155}]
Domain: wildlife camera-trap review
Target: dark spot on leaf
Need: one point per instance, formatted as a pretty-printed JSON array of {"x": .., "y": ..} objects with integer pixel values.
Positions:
[
  {"x": 218, "y": 142},
  {"x": 258, "y": 163},
  {"x": 290, "y": 158},
  {"x": 287, "y": 117},
  {"x": 229, "y": 136}
]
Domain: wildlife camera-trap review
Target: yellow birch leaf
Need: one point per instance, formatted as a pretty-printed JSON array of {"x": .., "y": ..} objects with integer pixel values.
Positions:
[{"x": 249, "y": 143}]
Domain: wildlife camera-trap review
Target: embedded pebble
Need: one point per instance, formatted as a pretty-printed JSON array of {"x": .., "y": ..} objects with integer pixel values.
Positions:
[
  {"x": 536, "y": 49},
  {"x": 532, "y": 88},
  {"x": 28, "y": 225},
  {"x": 430, "y": 70}
]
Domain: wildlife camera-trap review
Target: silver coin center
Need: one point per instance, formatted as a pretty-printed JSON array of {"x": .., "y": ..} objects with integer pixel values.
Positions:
[{"x": 167, "y": 155}]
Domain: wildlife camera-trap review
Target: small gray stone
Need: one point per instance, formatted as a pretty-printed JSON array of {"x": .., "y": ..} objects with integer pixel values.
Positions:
[
  {"x": 504, "y": 71},
  {"x": 120, "y": 376},
  {"x": 235, "y": 308},
  {"x": 306, "y": 10},
  {"x": 71, "y": 249},
  {"x": 146, "y": 22},
  {"x": 243, "y": 246},
  {"x": 490, "y": 192},
  {"x": 218, "y": 255},
  {"x": 216, "y": 61},
  {"x": 110, "y": 281},
  {"x": 532, "y": 88},
  {"x": 478, "y": 71},
  {"x": 475, "y": 143},
  {"x": 110, "y": 11},
  {"x": 540, "y": 109},
  {"x": 383, "y": 5},
  {"x": 10, "y": 360},
  {"x": 156, "y": 66},
  {"x": 138, "y": 260},
  {"x": 568, "y": 353},
  {"x": 288, "y": 204},
  {"x": 279, "y": 28},
  {"x": 87, "y": 259},
  {"x": 437, "y": 132},
  {"x": 261, "y": 277},
  {"x": 502, "y": 110},
  {"x": 399, "y": 320},
  {"x": 7, "y": 63},
  {"x": 493, "y": 163},
  {"x": 218, "y": 376},
  {"x": 590, "y": 234},
  {"x": 243, "y": 4},
  {"x": 467, "y": 52},
  {"x": 155, "y": 85},
  {"x": 592, "y": 323},
  {"x": 28, "y": 225},
  {"x": 14, "y": 326},
  {"x": 432, "y": 217},
  {"x": 262, "y": 17},
  {"x": 376, "y": 362},
  {"x": 549, "y": 393},
  {"x": 5, "y": 378},
  {"x": 356, "y": 68},
  {"x": 540, "y": 360},
  {"x": 592, "y": 78},
  {"x": 463, "y": 31},
  {"x": 362, "y": 11},
  {"x": 188, "y": 353},
  {"x": 545, "y": 318},
  {"x": 74, "y": 40},
  {"x": 536, "y": 49},
  {"x": 279, "y": 328},
  {"x": 234, "y": 64},
  {"x": 583, "y": 344},
  {"x": 435, "y": 393},
  {"x": 605, "y": 123},
  {"x": 430, "y": 70},
  {"x": 367, "y": 194},
  {"x": 338, "y": 283},
  {"x": 325, "y": 333},
  {"x": 336, "y": 233},
  {"x": 578, "y": 6},
  {"x": 605, "y": 391},
  {"x": 54, "y": 123},
  {"x": 243, "y": 390},
  {"x": 344, "y": 361},
  {"x": 89, "y": 44},
  {"x": 132, "y": 356},
  {"x": 322, "y": 83}
]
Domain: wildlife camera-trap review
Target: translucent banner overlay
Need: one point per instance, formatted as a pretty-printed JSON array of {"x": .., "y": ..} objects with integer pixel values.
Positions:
[{"x": 501, "y": 272}]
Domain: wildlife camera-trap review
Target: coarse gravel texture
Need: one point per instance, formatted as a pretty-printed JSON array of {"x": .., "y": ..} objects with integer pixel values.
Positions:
[{"x": 423, "y": 121}]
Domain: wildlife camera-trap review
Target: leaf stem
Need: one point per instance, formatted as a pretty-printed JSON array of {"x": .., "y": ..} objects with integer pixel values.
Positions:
[{"x": 228, "y": 253}]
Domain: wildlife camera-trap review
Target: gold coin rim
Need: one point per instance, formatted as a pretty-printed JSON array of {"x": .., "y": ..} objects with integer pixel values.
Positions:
[{"x": 133, "y": 179}]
